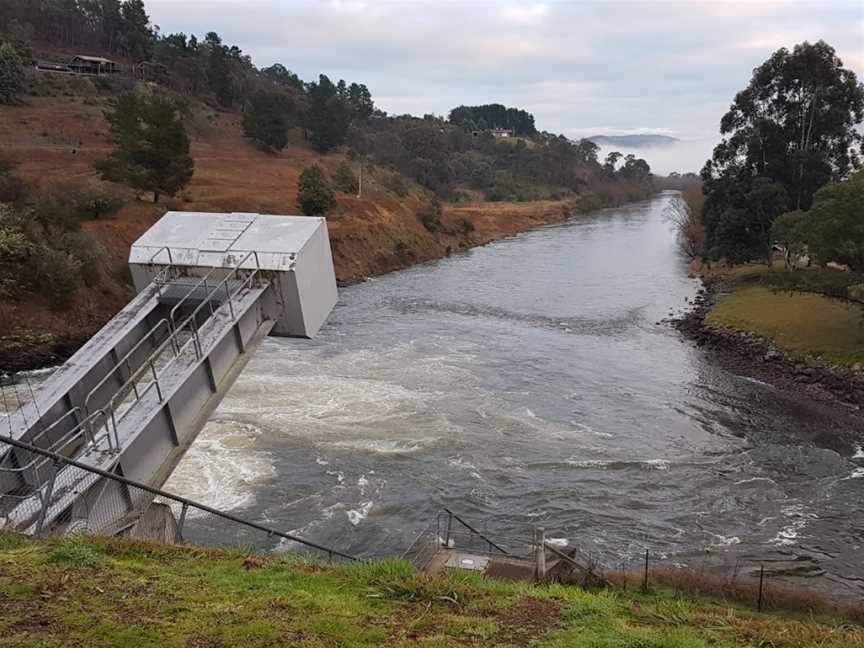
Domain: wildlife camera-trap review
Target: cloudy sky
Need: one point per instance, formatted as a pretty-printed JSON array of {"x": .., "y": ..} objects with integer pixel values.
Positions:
[{"x": 581, "y": 67}]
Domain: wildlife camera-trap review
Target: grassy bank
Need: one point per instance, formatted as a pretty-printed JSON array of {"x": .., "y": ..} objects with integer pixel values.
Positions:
[
  {"x": 798, "y": 322},
  {"x": 107, "y": 592}
]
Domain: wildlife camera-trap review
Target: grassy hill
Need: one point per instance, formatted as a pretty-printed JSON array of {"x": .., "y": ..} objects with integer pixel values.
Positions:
[{"x": 97, "y": 592}]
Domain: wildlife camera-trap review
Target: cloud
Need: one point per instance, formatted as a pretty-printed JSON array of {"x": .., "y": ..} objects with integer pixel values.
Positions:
[
  {"x": 629, "y": 66},
  {"x": 524, "y": 14}
]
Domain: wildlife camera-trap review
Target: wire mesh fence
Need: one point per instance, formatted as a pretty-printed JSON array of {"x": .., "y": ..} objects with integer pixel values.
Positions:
[
  {"x": 760, "y": 584},
  {"x": 77, "y": 498}
]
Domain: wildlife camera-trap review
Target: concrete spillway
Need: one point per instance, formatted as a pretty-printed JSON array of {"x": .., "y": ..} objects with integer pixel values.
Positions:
[{"x": 136, "y": 395}]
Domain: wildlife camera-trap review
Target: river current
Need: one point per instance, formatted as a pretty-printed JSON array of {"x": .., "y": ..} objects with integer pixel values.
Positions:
[{"x": 528, "y": 383}]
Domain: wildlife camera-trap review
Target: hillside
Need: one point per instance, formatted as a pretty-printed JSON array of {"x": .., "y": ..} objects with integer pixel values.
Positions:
[
  {"x": 57, "y": 133},
  {"x": 100, "y": 592}
]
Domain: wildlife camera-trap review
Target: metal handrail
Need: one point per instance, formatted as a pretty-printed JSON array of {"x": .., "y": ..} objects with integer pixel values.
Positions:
[
  {"x": 453, "y": 516},
  {"x": 186, "y": 503},
  {"x": 157, "y": 252},
  {"x": 585, "y": 570},
  {"x": 178, "y": 350},
  {"x": 125, "y": 360},
  {"x": 83, "y": 428},
  {"x": 173, "y": 332},
  {"x": 189, "y": 293},
  {"x": 59, "y": 442},
  {"x": 207, "y": 299}
]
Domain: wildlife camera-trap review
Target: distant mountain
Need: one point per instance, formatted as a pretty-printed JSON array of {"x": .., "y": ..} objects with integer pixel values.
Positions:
[{"x": 634, "y": 141}]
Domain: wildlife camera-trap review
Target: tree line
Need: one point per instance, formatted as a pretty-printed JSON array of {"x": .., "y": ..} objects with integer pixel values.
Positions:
[
  {"x": 784, "y": 170},
  {"x": 118, "y": 27},
  {"x": 490, "y": 116},
  {"x": 455, "y": 158}
]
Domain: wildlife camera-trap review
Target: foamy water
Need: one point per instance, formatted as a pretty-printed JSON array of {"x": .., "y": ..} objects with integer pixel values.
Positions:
[{"x": 528, "y": 383}]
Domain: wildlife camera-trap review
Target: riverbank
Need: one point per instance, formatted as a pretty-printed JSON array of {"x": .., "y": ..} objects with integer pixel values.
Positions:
[
  {"x": 369, "y": 237},
  {"x": 56, "y": 142},
  {"x": 796, "y": 341},
  {"x": 100, "y": 592}
]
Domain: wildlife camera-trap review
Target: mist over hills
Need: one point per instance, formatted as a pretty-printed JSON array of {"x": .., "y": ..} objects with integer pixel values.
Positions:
[{"x": 634, "y": 141}]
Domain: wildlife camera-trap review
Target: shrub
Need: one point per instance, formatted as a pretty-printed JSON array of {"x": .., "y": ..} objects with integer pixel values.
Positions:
[
  {"x": 11, "y": 74},
  {"x": 430, "y": 217},
  {"x": 59, "y": 277},
  {"x": 66, "y": 204},
  {"x": 50, "y": 257},
  {"x": 400, "y": 249},
  {"x": 840, "y": 285},
  {"x": 76, "y": 552},
  {"x": 345, "y": 180},
  {"x": 314, "y": 194},
  {"x": 264, "y": 120},
  {"x": 11, "y": 186},
  {"x": 396, "y": 183}
]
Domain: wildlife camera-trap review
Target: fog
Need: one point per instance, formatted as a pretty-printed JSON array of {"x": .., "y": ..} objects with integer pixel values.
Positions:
[{"x": 686, "y": 155}]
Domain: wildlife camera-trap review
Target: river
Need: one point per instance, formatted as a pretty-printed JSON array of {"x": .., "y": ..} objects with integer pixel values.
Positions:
[{"x": 531, "y": 382}]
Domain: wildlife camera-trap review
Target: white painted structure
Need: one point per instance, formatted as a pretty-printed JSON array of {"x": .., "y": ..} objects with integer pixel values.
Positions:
[
  {"x": 292, "y": 252},
  {"x": 135, "y": 396}
]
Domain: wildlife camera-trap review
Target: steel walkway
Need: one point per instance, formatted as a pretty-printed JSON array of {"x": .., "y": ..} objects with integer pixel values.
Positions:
[{"x": 135, "y": 396}]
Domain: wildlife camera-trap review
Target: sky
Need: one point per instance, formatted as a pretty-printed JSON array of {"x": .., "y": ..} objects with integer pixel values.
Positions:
[{"x": 581, "y": 67}]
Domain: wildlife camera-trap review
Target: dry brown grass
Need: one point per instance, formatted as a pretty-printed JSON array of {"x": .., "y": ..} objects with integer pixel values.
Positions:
[{"x": 740, "y": 588}]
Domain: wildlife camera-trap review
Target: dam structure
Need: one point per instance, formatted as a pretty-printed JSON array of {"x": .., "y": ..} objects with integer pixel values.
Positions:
[{"x": 133, "y": 399}]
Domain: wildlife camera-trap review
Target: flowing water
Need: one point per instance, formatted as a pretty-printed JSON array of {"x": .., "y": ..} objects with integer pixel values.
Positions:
[{"x": 530, "y": 382}]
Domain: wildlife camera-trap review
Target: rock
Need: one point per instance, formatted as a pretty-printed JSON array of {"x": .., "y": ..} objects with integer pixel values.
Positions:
[
  {"x": 771, "y": 355},
  {"x": 858, "y": 368}
]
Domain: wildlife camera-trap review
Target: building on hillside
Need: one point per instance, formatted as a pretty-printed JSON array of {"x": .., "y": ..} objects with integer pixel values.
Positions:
[
  {"x": 498, "y": 133},
  {"x": 82, "y": 64},
  {"x": 153, "y": 72}
]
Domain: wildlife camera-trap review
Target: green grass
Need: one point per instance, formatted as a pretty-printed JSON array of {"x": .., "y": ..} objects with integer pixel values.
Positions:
[
  {"x": 98, "y": 592},
  {"x": 802, "y": 323}
]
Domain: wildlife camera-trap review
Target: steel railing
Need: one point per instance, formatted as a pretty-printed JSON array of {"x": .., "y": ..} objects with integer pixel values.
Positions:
[
  {"x": 172, "y": 341},
  {"x": 185, "y": 504},
  {"x": 449, "y": 533},
  {"x": 107, "y": 417}
]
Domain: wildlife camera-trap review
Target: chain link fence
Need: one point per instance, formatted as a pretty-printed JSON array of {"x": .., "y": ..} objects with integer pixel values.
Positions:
[{"x": 77, "y": 498}]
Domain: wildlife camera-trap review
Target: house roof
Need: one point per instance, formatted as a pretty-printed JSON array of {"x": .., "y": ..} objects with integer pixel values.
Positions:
[{"x": 91, "y": 59}]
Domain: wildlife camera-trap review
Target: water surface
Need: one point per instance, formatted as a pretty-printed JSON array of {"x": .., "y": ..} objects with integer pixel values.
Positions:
[{"x": 530, "y": 382}]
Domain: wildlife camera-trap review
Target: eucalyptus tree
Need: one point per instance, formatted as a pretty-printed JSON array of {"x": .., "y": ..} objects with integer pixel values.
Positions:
[{"x": 789, "y": 132}]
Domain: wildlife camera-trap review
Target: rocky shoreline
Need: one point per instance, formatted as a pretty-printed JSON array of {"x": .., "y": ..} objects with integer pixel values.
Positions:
[{"x": 755, "y": 355}]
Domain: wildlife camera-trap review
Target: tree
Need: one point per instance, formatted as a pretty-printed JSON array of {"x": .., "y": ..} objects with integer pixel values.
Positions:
[
  {"x": 611, "y": 161},
  {"x": 314, "y": 194},
  {"x": 329, "y": 115},
  {"x": 361, "y": 102},
  {"x": 345, "y": 180},
  {"x": 635, "y": 169},
  {"x": 833, "y": 228},
  {"x": 11, "y": 74},
  {"x": 264, "y": 120},
  {"x": 137, "y": 34},
  {"x": 152, "y": 147},
  {"x": 219, "y": 69},
  {"x": 794, "y": 125},
  {"x": 281, "y": 75}
]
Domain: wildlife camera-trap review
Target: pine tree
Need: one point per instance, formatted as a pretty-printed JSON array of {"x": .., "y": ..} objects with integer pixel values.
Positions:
[
  {"x": 345, "y": 180},
  {"x": 264, "y": 120},
  {"x": 152, "y": 147},
  {"x": 11, "y": 74},
  {"x": 314, "y": 194},
  {"x": 329, "y": 115}
]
